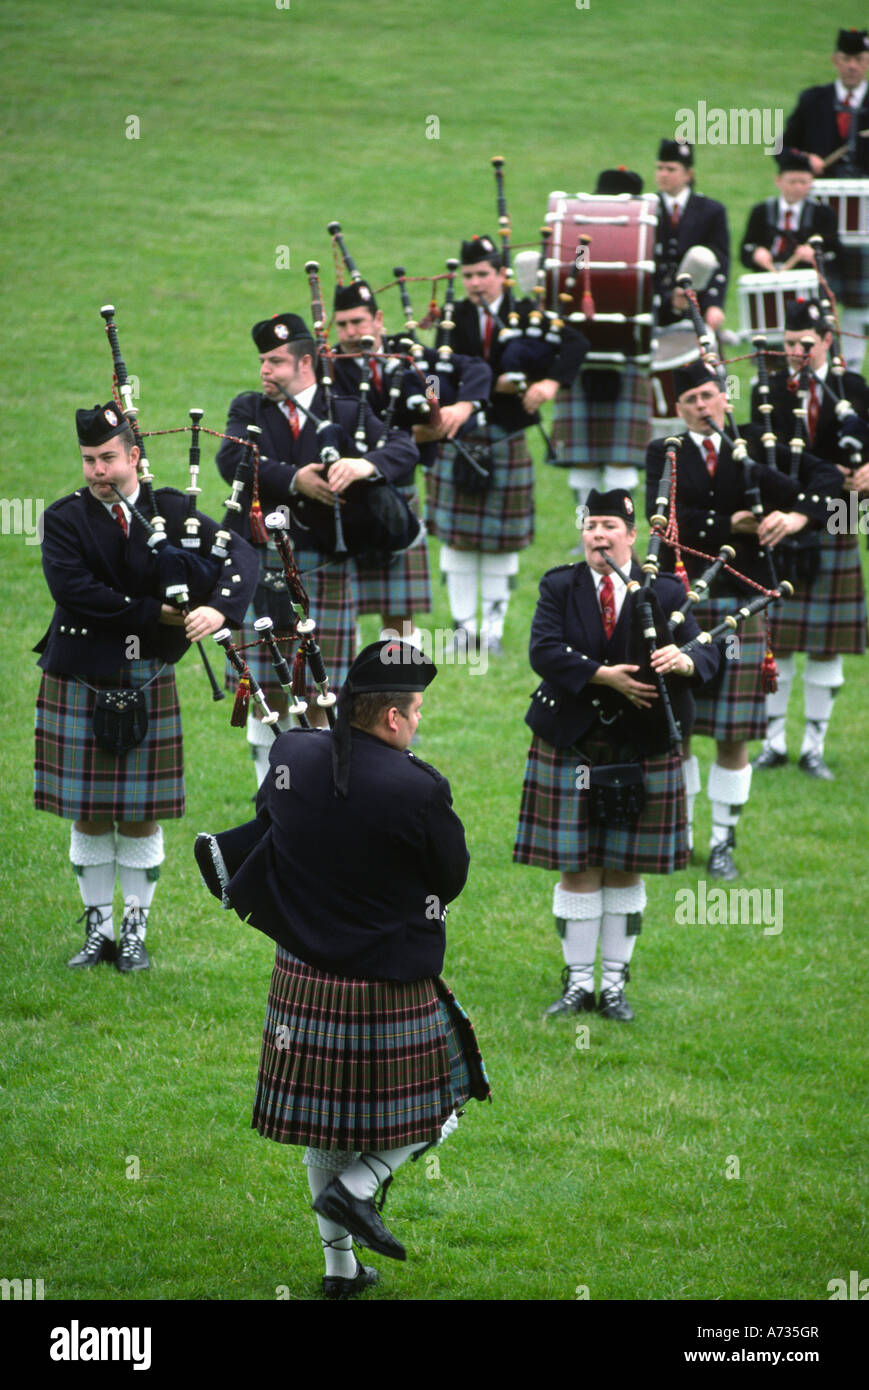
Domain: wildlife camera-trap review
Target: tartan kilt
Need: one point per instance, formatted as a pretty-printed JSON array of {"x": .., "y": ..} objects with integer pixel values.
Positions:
[
  {"x": 555, "y": 832},
  {"x": 497, "y": 522},
  {"x": 733, "y": 705},
  {"x": 361, "y": 1064},
  {"x": 855, "y": 276},
  {"x": 830, "y": 616},
  {"x": 333, "y": 607},
  {"x": 79, "y": 781},
  {"x": 590, "y": 434},
  {"x": 403, "y": 585}
]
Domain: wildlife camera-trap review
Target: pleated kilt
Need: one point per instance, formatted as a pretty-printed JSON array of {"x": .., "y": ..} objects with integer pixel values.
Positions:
[
  {"x": 361, "y": 1064},
  {"x": 589, "y": 433},
  {"x": 855, "y": 276},
  {"x": 497, "y": 522},
  {"x": 332, "y": 595},
  {"x": 555, "y": 831},
  {"x": 733, "y": 705},
  {"x": 829, "y": 617},
  {"x": 77, "y": 780},
  {"x": 402, "y": 586}
]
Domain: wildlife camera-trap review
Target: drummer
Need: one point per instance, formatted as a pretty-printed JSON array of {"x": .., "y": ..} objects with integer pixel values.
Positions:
[
  {"x": 778, "y": 231},
  {"x": 601, "y": 425}
]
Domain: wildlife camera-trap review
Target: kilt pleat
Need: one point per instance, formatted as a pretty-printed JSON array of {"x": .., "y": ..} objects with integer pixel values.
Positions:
[
  {"x": 555, "y": 831},
  {"x": 497, "y": 522},
  {"x": 360, "y": 1064},
  {"x": 76, "y": 779},
  {"x": 733, "y": 705},
  {"x": 403, "y": 585},
  {"x": 332, "y": 596},
  {"x": 829, "y": 616},
  {"x": 590, "y": 434}
]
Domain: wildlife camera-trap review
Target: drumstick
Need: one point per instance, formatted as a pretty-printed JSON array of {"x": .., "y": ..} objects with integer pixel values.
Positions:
[{"x": 843, "y": 149}]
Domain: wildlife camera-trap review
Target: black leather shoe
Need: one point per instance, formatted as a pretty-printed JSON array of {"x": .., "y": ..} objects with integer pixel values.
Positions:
[
  {"x": 132, "y": 955},
  {"x": 720, "y": 864},
  {"x": 814, "y": 765},
  {"x": 613, "y": 1004},
  {"x": 97, "y": 947},
  {"x": 336, "y": 1287},
  {"x": 574, "y": 999},
  {"x": 768, "y": 758},
  {"x": 360, "y": 1217}
]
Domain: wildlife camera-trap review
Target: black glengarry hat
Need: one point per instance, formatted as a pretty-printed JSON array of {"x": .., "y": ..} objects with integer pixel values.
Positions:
[
  {"x": 479, "y": 248},
  {"x": 389, "y": 665},
  {"x": 852, "y": 41},
  {"x": 695, "y": 374},
  {"x": 676, "y": 152},
  {"x": 97, "y": 426},
  {"x": 279, "y": 330},
  {"x": 620, "y": 180},
  {"x": 616, "y": 502},
  {"x": 354, "y": 295}
]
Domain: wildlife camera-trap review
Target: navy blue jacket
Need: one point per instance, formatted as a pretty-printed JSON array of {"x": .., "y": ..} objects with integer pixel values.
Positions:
[
  {"x": 812, "y": 128},
  {"x": 281, "y": 456},
  {"x": 569, "y": 645},
  {"x": 106, "y": 587},
  {"x": 356, "y": 886},
  {"x": 703, "y": 223}
]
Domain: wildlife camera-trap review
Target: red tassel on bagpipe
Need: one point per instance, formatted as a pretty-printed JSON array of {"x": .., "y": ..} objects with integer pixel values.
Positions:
[
  {"x": 238, "y": 719},
  {"x": 681, "y": 573},
  {"x": 298, "y": 679},
  {"x": 258, "y": 532}
]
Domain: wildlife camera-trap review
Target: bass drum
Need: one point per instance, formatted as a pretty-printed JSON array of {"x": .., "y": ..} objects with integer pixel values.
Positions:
[{"x": 618, "y": 264}]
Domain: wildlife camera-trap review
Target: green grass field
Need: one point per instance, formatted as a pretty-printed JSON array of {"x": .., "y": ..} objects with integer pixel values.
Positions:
[{"x": 709, "y": 1151}]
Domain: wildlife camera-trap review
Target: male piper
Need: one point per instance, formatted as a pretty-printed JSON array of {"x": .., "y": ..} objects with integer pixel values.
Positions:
[
  {"x": 713, "y": 509},
  {"x": 482, "y": 532},
  {"x": 398, "y": 589},
  {"x": 292, "y": 476},
  {"x": 826, "y": 618},
  {"x": 830, "y": 124},
  {"x": 692, "y": 238},
  {"x": 115, "y": 628},
  {"x": 355, "y": 853}
]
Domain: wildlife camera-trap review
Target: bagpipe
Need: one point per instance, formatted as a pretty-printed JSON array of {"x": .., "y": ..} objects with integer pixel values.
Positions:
[
  {"x": 372, "y": 517},
  {"x": 185, "y": 573},
  {"x": 292, "y": 680},
  {"x": 665, "y": 529}
]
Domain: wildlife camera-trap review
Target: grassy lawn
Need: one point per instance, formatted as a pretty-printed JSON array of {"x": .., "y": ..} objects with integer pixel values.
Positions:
[{"x": 710, "y": 1150}]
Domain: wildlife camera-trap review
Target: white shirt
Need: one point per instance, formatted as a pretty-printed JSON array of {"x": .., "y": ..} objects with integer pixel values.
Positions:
[
  {"x": 855, "y": 98},
  {"x": 619, "y": 589},
  {"x": 679, "y": 201},
  {"x": 128, "y": 515},
  {"x": 795, "y": 210},
  {"x": 699, "y": 439},
  {"x": 304, "y": 399}
]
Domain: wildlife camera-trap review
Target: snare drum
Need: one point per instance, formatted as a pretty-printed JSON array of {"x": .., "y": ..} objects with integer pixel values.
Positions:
[
  {"x": 620, "y": 260},
  {"x": 764, "y": 294},
  {"x": 849, "y": 199},
  {"x": 675, "y": 347}
]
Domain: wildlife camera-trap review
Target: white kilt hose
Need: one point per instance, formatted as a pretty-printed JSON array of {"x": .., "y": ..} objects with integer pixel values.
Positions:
[{"x": 77, "y": 780}]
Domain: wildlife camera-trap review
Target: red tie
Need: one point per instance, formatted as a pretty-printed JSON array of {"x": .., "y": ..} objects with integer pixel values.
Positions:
[
  {"x": 607, "y": 605},
  {"x": 488, "y": 334},
  {"x": 675, "y": 215},
  {"x": 814, "y": 410},
  {"x": 843, "y": 119},
  {"x": 789, "y": 221},
  {"x": 711, "y": 456},
  {"x": 118, "y": 514},
  {"x": 294, "y": 419},
  {"x": 375, "y": 373}
]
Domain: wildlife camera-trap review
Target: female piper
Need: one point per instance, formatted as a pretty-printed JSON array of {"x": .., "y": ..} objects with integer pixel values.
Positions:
[{"x": 603, "y": 799}]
